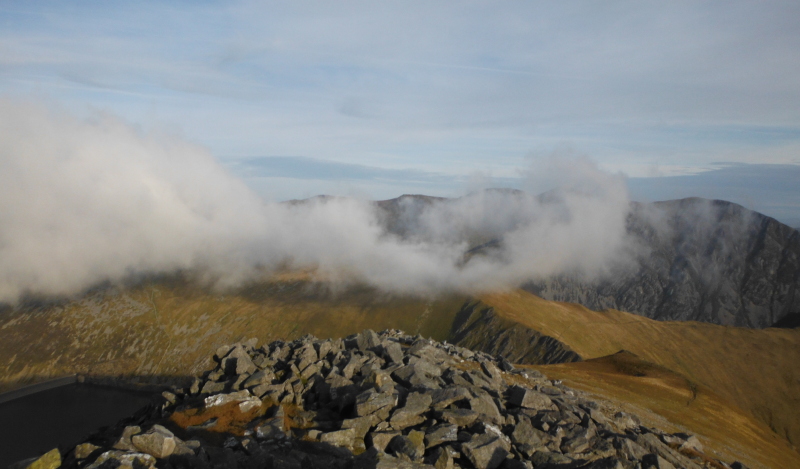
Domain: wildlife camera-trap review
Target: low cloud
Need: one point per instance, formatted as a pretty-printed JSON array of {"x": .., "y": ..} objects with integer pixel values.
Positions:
[{"x": 86, "y": 201}]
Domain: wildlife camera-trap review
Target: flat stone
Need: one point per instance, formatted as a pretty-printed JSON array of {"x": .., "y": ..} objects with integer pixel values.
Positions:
[
  {"x": 625, "y": 421},
  {"x": 237, "y": 362},
  {"x": 478, "y": 378},
  {"x": 83, "y": 450},
  {"x": 551, "y": 459},
  {"x": 404, "y": 420},
  {"x": 271, "y": 428},
  {"x": 427, "y": 368},
  {"x": 459, "y": 417},
  {"x": 491, "y": 371},
  {"x": 528, "y": 398},
  {"x": 651, "y": 443},
  {"x": 378, "y": 379},
  {"x": 629, "y": 449},
  {"x": 575, "y": 445},
  {"x": 392, "y": 352},
  {"x": 222, "y": 399},
  {"x": 484, "y": 405},
  {"x": 441, "y": 398},
  {"x": 409, "y": 414},
  {"x": 344, "y": 438},
  {"x": 439, "y": 434},
  {"x": 691, "y": 442},
  {"x": 380, "y": 440},
  {"x": 211, "y": 387},
  {"x": 409, "y": 447},
  {"x": 371, "y": 402},
  {"x": 264, "y": 390},
  {"x": 154, "y": 443},
  {"x": 360, "y": 425},
  {"x": 124, "y": 441},
  {"x": 368, "y": 340},
  {"x": 258, "y": 378},
  {"x": 124, "y": 460},
  {"x": 528, "y": 439},
  {"x": 485, "y": 451},
  {"x": 222, "y": 351}
]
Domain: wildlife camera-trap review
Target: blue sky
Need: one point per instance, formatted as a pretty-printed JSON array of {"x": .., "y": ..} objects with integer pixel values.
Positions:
[{"x": 378, "y": 99}]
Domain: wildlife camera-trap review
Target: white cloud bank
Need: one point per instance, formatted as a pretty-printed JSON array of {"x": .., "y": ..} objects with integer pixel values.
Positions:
[{"x": 82, "y": 202}]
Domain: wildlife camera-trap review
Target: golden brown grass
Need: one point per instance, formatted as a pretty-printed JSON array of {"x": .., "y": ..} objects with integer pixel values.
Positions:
[
  {"x": 667, "y": 400},
  {"x": 229, "y": 418},
  {"x": 755, "y": 370},
  {"x": 171, "y": 327}
]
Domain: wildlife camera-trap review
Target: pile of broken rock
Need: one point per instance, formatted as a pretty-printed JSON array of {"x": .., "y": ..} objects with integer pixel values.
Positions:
[{"x": 381, "y": 400}]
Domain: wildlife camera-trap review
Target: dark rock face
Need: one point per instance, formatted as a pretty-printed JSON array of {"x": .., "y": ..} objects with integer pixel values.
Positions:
[
  {"x": 450, "y": 408},
  {"x": 698, "y": 260},
  {"x": 478, "y": 327},
  {"x": 790, "y": 321}
]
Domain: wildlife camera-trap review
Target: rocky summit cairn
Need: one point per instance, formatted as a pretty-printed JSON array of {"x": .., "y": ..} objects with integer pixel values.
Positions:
[{"x": 379, "y": 400}]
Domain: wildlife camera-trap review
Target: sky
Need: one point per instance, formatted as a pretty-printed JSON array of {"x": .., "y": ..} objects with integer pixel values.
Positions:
[{"x": 378, "y": 99}]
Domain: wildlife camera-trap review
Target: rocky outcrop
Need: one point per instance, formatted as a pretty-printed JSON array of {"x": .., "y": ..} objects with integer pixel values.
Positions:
[
  {"x": 384, "y": 400},
  {"x": 478, "y": 327},
  {"x": 697, "y": 260}
]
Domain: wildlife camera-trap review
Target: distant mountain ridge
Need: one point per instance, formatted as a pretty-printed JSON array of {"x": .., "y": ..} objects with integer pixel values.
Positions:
[
  {"x": 696, "y": 260},
  {"x": 707, "y": 260}
]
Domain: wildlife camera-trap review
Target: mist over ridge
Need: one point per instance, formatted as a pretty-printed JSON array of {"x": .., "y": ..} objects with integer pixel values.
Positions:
[{"x": 85, "y": 201}]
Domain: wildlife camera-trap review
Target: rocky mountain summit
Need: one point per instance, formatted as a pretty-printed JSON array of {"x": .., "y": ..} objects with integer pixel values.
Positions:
[{"x": 378, "y": 400}]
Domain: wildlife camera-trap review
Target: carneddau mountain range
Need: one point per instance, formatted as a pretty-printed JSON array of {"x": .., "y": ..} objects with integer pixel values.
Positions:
[
  {"x": 693, "y": 260},
  {"x": 680, "y": 336}
]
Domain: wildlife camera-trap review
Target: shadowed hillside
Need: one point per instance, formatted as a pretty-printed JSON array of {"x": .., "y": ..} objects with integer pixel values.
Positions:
[{"x": 755, "y": 369}]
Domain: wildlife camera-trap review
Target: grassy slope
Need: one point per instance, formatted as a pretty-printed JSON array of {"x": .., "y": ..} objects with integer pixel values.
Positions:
[
  {"x": 170, "y": 328},
  {"x": 667, "y": 400},
  {"x": 754, "y": 369}
]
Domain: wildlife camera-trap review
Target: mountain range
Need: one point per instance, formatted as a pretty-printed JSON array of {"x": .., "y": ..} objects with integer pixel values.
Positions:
[
  {"x": 693, "y": 260},
  {"x": 681, "y": 334}
]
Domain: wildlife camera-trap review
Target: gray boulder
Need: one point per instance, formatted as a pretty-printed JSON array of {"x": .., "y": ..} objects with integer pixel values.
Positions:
[{"x": 486, "y": 451}]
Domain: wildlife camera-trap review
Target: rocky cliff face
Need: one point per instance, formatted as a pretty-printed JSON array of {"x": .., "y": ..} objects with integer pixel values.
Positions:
[
  {"x": 478, "y": 327},
  {"x": 384, "y": 400},
  {"x": 698, "y": 260}
]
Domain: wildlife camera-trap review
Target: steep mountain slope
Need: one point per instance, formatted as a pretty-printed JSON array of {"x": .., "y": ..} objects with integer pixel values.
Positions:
[
  {"x": 700, "y": 260},
  {"x": 754, "y": 369}
]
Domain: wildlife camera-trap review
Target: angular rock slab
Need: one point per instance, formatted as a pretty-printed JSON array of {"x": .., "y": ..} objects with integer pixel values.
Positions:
[
  {"x": 485, "y": 451},
  {"x": 530, "y": 399}
]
